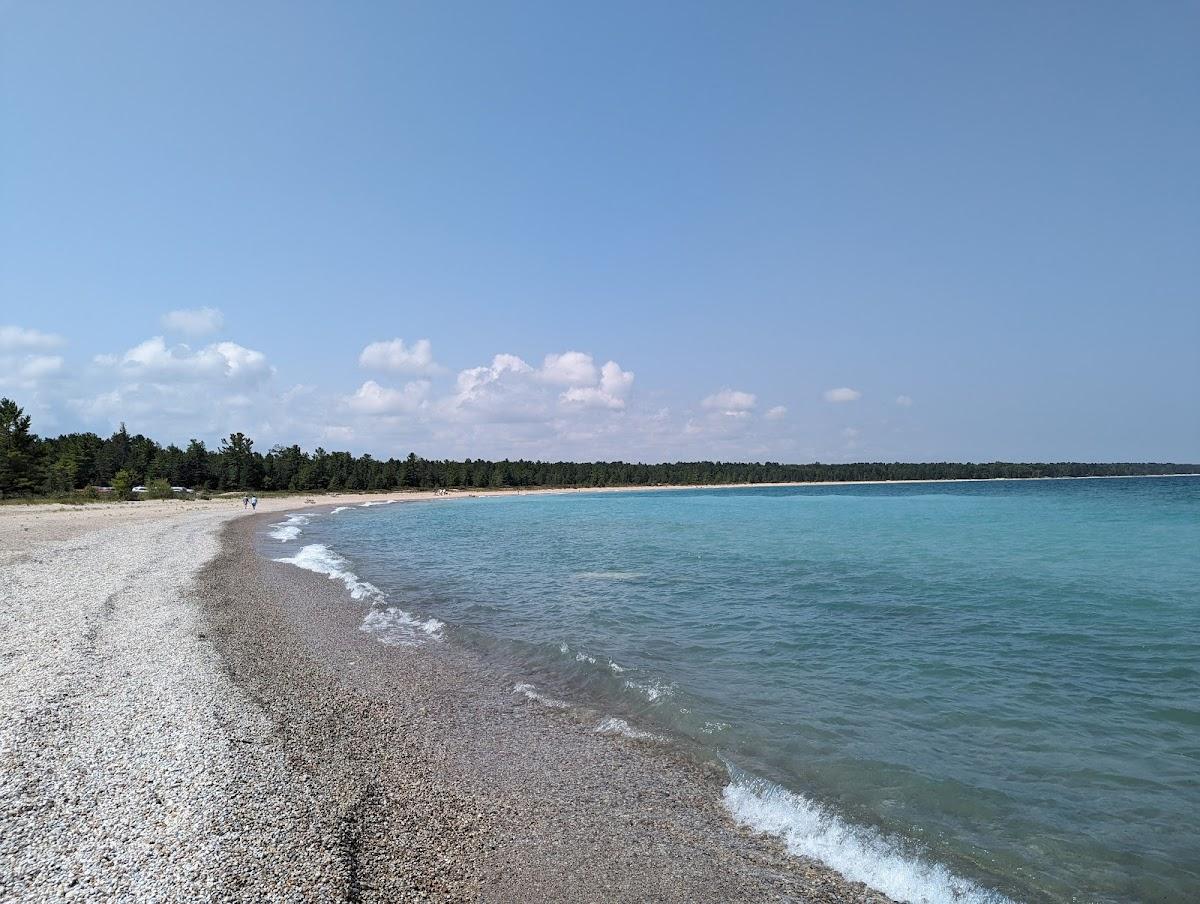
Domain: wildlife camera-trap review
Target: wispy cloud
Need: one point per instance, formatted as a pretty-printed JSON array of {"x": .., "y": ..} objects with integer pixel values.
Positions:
[
  {"x": 842, "y": 394},
  {"x": 16, "y": 338},
  {"x": 193, "y": 321},
  {"x": 730, "y": 402}
]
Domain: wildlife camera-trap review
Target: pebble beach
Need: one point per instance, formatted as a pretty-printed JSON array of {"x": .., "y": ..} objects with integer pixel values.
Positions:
[{"x": 184, "y": 719}]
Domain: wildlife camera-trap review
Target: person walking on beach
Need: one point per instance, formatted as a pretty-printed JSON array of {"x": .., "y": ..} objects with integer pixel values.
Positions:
[
  {"x": 253, "y": 503},
  {"x": 245, "y": 501}
]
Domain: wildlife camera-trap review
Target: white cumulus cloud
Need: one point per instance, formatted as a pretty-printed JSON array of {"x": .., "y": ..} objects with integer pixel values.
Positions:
[
  {"x": 509, "y": 390},
  {"x": 569, "y": 369},
  {"x": 614, "y": 386},
  {"x": 842, "y": 394},
  {"x": 394, "y": 355},
  {"x": 193, "y": 321},
  {"x": 779, "y": 412},
  {"x": 221, "y": 362},
  {"x": 371, "y": 398},
  {"x": 904, "y": 401},
  {"x": 731, "y": 402},
  {"x": 504, "y": 391},
  {"x": 473, "y": 382},
  {"x": 178, "y": 391}
]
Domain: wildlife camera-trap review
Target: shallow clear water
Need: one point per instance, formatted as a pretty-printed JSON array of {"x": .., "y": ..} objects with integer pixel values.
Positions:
[{"x": 941, "y": 689}]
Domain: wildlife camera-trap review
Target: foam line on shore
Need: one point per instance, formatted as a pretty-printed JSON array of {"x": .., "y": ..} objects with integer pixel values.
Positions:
[
  {"x": 611, "y": 725},
  {"x": 862, "y": 854},
  {"x": 389, "y": 624},
  {"x": 394, "y": 626},
  {"x": 532, "y": 693}
]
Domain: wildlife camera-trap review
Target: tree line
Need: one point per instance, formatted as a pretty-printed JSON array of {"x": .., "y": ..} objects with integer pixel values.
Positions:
[{"x": 60, "y": 466}]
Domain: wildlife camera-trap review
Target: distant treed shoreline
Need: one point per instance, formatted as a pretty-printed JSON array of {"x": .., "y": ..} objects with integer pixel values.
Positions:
[{"x": 54, "y": 466}]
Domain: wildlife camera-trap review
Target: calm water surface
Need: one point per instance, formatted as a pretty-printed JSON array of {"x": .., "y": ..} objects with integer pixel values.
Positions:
[{"x": 942, "y": 689}]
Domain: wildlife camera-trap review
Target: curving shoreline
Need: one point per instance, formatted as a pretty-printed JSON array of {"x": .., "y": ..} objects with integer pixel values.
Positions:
[
  {"x": 459, "y": 788},
  {"x": 185, "y": 720}
]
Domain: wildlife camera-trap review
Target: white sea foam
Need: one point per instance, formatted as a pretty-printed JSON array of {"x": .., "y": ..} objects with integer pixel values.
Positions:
[
  {"x": 392, "y": 625},
  {"x": 609, "y": 575},
  {"x": 858, "y": 853},
  {"x": 581, "y": 656},
  {"x": 534, "y": 694},
  {"x": 289, "y": 529},
  {"x": 380, "y": 502},
  {"x": 617, "y": 668},
  {"x": 340, "y": 508},
  {"x": 611, "y": 725},
  {"x": 323, "y": 560},
  {"x": 651, "y": 691},
  {"x": 389, "y": 624}
]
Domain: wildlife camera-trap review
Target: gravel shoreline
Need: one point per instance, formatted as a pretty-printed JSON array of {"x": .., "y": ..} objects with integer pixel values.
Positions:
[
  {"x": 121, "y": 764},
  {"x": 184, "y": 720}
]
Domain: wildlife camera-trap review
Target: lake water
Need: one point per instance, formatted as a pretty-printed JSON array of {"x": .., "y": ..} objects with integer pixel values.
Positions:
[{"x": 951, "y": 691}]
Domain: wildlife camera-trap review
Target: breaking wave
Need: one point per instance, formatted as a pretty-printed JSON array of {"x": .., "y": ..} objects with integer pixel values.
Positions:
[
  {"x": 323, "y": 560},
  {"x": 861, "y": 854},
  {"x": 290, "y": 529}
]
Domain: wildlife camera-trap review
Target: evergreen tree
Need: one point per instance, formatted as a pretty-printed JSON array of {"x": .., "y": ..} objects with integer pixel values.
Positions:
[
  {"x": 122, "y": 484},
  {"x": 239, "y": 469},
  {"x": 17, "y": 449},
  {"x": 193, "y": 467}
]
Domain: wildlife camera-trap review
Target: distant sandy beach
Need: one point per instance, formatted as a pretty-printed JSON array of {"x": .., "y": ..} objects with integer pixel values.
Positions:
[{"x": 182, "y": 719}]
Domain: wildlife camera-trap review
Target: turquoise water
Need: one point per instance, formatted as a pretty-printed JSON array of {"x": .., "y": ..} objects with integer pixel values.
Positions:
[{"x": 946, "y": 690}]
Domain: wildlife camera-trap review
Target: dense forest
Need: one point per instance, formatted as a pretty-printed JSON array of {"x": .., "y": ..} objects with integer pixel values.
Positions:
[{"x": 60, "y": 466}]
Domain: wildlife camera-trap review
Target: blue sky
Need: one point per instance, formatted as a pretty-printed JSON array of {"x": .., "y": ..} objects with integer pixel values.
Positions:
[{"x": 981, "y": 224}]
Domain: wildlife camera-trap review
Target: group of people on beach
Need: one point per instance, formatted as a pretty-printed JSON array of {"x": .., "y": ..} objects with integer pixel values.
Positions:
[{"x": 251, "y": 501}]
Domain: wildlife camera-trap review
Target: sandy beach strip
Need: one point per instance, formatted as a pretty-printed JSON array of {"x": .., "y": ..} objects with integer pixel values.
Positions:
[{"x": 182, "y": 719}]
